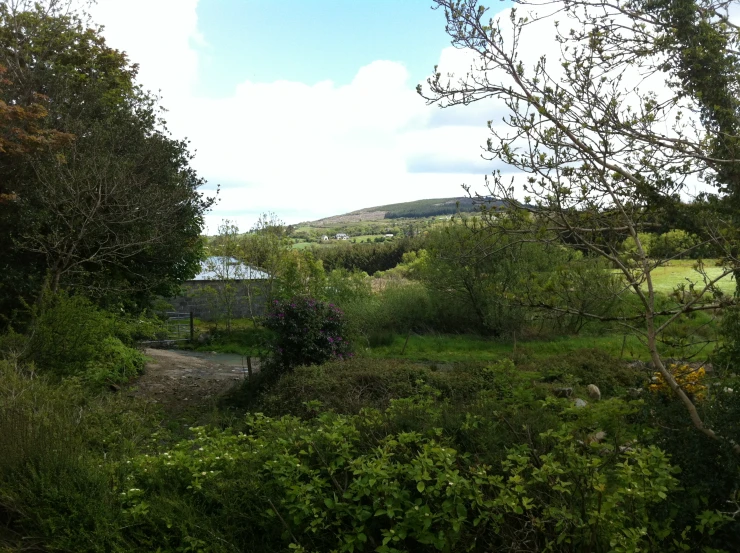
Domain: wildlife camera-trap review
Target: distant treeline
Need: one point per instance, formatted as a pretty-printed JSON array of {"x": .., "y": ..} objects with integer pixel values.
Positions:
[{"x": 369, "y": 258}]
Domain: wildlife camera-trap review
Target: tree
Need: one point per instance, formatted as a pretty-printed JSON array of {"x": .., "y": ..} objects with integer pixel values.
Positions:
[
  {"x": 104, "y": 201},
  {"x": 268, "y": 247},
  {"x": 232, "y": 276},
  {"x": 603, "y": 159}
]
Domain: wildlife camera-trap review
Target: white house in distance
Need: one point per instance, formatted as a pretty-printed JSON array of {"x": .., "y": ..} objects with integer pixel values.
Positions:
[
  {"x": 325, "y": 238},
  {"x": 342, "y": 236}
]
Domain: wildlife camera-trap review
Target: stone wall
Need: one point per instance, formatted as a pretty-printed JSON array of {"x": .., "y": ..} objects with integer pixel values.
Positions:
[{"x": 202, "y": 298}]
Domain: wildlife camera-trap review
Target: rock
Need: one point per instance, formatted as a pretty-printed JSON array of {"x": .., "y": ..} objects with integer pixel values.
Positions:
[
  {"x": 204, "y": 338},
  {"x": 562, "y": 392},
  {"x": 597, "y": 437},
  {"x": 594, "y": 392},
  {"x": 580, "y": 403}
]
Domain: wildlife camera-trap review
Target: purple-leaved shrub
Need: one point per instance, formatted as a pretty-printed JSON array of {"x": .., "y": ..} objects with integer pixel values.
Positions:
[{"x": 306, "y": 332}]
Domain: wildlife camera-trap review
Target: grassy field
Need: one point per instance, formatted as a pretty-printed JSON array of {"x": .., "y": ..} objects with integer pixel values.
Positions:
[
  {"x": 466, "y": 348},
  {"x": 365, "y": 237},
  {"x": 682, "y": 271}
]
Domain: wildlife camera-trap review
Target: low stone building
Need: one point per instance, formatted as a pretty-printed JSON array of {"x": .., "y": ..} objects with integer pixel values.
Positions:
[{"x": 223, "y": 284}]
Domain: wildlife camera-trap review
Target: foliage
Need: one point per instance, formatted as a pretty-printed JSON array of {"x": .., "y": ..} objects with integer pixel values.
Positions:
[
  {"x": 345, "y": 287},
  {"x": 691, "y": 380},
  {"x": 328, "y": 487},
  {"x": 58, "y": 442},
  {"x": 351, "y": 385},
  {"x": 70, "y": 336},
  {"x": 306, "y": 332},
  {"x": 489, "y": 283},
  {"x": 114, "y": 363},
  {"x": 598, "y": 164},
  {"x": 368, "y": 258},
  {"x": 611, "y": 375},
  {"x": 67, "y": 332},
  {"x": 728, "y": 355},
  {"x": 300, "y": 275},
  {"x": 114, "y": 211}
]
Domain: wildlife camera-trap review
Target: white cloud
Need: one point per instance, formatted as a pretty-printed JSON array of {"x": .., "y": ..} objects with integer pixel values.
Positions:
[
  {"x": 307, "y": 151},
  {"x": 302, "y": 151}
]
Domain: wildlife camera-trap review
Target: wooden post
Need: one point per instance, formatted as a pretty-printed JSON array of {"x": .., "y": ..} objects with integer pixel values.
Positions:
[
  {"x": 624, "y": 342},
  {"x": 249, "y": 367},
  {"x": 406, "y": 343},
  {"x": 192, "y": 327}
]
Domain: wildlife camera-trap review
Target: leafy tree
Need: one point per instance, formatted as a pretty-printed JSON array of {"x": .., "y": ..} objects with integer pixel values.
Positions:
[
  {"x": 232, "y": 276},
  {"x": 105, "y": 201},
  {"x": 602, "y": 159}
]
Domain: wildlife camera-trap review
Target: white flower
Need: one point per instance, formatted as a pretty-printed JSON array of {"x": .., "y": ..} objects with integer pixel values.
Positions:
[{"x": 728, "y": 390}]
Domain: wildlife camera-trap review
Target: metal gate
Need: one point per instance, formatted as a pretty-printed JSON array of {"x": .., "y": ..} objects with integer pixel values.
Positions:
[{"x": 176, "y": 327}]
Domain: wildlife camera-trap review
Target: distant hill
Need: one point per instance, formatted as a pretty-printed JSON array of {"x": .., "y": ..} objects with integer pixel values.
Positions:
[{"x": 407, "y": 210}]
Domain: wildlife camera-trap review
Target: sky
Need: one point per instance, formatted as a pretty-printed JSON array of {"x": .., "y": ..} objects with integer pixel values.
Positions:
[{"x": 304, "y": 108}]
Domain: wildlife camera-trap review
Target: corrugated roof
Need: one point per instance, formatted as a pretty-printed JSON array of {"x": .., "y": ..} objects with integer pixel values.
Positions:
[{"x": 223, "y": 268}]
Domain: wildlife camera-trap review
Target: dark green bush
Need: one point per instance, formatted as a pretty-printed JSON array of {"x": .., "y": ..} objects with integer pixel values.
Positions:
[
  {"x": 114, "y": 363},
  {"x": 67, "y": 333},
  {"x": 306, "y": 332},
  {"x": 58, "y": 443},
  {"x": 590, "y": 366},
  {"x": 349, "y": 386},
  {"x": 72, "y": 337}
]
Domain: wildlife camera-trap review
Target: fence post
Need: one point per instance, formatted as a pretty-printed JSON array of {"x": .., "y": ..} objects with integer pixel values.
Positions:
[
  {"x": 192, "y": 327},
  {"x": 249, "y": 367}
]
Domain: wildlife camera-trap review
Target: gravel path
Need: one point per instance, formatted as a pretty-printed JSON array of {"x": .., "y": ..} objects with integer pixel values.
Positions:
[{"x": 178, "y": 381}]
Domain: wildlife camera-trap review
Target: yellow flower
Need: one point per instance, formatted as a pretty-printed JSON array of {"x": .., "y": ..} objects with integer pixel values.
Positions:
[{"x": 690, "y": 380}]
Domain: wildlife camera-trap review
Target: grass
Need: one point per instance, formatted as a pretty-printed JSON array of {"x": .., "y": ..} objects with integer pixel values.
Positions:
[
  {"x": 364, "y": 237},
  {"x": 245, "y": 338},
  {"x": 469, "y": 348},
  {"x": 681, "y": 271}
]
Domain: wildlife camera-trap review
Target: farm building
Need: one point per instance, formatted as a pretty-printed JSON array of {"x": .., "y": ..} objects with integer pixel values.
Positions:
[{"x": 204, "y": 294}]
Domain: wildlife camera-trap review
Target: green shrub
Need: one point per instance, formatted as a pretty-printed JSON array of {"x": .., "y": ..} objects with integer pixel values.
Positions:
[
  {"x": 58, "y": 443},
  {"x": 710, "y": 469},
  {"x": 306, "y": 332},
  {"x": 338, "y": 483},
  {"x": 590, "y": 366},
  {"x": 72, "y": 337},
  {"x": 399, "y": 306},
  {"x": 67, "y": 333},
  {"x": 114, "y": 363},
  {"x": 349, "y": 386}
]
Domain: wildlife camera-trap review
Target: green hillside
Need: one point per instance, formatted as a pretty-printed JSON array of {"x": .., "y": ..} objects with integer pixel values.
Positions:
[{"x": 418, "y": 209}]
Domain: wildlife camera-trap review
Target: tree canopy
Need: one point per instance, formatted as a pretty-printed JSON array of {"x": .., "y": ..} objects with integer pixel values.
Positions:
[{"x": 95, "y": 195}]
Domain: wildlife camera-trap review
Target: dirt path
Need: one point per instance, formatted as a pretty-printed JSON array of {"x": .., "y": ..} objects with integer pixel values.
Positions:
[{"x": 178, "y": 381}]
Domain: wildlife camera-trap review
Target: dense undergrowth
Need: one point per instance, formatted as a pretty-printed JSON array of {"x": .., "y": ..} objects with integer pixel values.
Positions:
[
  {"x": 371, "y": 455},
  {"x": 406, "y": 440}
]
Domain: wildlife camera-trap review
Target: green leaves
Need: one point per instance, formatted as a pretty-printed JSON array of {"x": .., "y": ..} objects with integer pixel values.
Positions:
[{"x": 330, "y": 489}]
